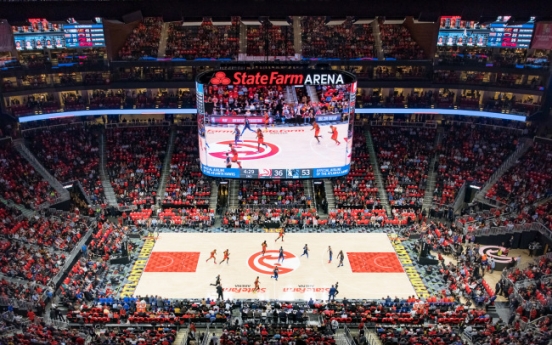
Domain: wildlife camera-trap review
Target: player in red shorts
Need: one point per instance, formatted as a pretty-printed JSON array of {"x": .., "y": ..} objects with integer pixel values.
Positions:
[
  {"x": 213, "y": 253},
  {"x": 257, "y": 285},
  {"x": 264, "y": 245},
  {"x": 226, "y": 257},
  {"x": 260, "y": 140},
  {"x": 334, "y": 134},
  {"x": 234, "y": 154},
  {"x": 266, "y": 120},
  {"x": 281, "y": 235},
  {"x": 316, "y": 128}
]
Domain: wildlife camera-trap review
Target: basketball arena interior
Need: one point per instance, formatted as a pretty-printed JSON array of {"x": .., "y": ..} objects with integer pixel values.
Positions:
[{"x": 300, "y": 172}]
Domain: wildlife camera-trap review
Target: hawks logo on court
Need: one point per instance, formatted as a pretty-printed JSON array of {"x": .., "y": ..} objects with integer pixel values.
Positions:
[
  {"x": 266, "y": 264},
  {"x": 247, "y": 150}
]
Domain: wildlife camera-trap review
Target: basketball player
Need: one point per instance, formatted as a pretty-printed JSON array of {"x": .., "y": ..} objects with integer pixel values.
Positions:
[
  {"x": 260, "y": 140},
  {"x": 336, "y": 290},
  {"x": 264, "y": 245},
  {"x": 334, "y": 134},
  {"x": 275, "y": 272},
  {"x": 217, "y": 281},
  {"x": 305, "y": 251},
  {"x": 213, "y": 254},
  {"x": 236, "y": 135},
  {"x": 280, "y": 235},
  {"x": 266, "y": 120},
  {"x": 228, "y": 160},
  {"x": 257, "y": 285},
  {"x": 247, "y": 126},
  {"x": 316, "y": 128},
  {"x": 340, "y": 256},
  {"x": 330, "y": 253},
  {"x": 234, "y": 153},
  {"x": 226, "y": 257},
  {"x": 281, "y": 254}
]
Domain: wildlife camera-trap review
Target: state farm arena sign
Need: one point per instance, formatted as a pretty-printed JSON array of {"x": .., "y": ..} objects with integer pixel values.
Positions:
[{"x": 276, "y": 77}]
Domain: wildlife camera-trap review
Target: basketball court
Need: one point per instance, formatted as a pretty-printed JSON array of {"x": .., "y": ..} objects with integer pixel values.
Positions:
[
  {"x": 289, "y": 147},
  {"x": 177, "y": 267}
]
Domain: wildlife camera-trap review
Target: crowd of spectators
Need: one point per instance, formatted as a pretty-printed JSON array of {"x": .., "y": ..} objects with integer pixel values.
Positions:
[
  {"x": 507, "y": 58},
  {"x": 206, "y": 41},
  {"x": 500, "y": 333},
  {"x": 535, "y": 289},
  {"x": 404, "y": 155},
  {"x": 332, "y": 99},
  {"x": 527, "y": 182},
  {"x": 358, "y": 189},
  {"x": 186, "y": 185},
  {"x": 270, "y": 40},
  {"x": 41, "y": 333},
  {"x": 255, "y": 217},
  {"x": 19, "y": 181},
  {"x": 239, "y": 99},
  {"x": 134, "y": 162},
  {"x": 397, "y": 43},
  {"x": 27, "y": 262},
  {"x": 43, "y": 230},
  {"x": 321, "y": 39},
  {"x": 28, "y": 106},
  {"x": 70, "y": 153},
  {"x": 275, "y": 193},
  {"x": 143, "y": 42},
  {"x": 472, "y": 153},
  {"x": 432, "y": 335}
]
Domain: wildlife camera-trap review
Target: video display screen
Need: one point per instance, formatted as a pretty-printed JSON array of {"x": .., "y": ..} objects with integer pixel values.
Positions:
[
  {"x": 250, "y": 130},
  {"x": 453, "y": 31},
  {"x": 41, "y": 34}
]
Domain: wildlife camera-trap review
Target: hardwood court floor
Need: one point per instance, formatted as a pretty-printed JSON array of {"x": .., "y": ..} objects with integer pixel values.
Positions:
[{"x": 177, "y": 267}]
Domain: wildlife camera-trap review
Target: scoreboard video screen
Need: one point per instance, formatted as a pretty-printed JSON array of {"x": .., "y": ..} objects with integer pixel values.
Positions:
[
  {"x": 41, "y": 34},
  {"x": 247, "y": 128},
  {"x": 453, "y": 31}
]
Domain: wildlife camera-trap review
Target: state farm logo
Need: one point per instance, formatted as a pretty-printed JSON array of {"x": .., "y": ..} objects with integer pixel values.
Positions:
[
  {"x": 247, "y": 150},
  {"x": 220, "y": 78},
  {"x": 266, "y": 264}
]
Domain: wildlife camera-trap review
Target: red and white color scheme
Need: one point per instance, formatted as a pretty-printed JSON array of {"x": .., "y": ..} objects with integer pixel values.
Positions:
[
  {"x": 286, "y": 147},
  {"x": 371, "y": 267}
]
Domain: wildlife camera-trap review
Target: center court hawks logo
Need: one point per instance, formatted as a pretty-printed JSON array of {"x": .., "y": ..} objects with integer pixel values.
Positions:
[
  {"x": 266, "y": 264},
  {"x": 247, "y": 150},
  {"x": 220, "y": 78}
]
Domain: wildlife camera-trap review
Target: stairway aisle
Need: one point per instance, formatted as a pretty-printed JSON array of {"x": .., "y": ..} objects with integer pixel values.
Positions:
[
  {"x": 377, "y": 174},
  {"x": 330, "y": 197},
  {"x": 181, "y": 337},
  {"x": 20, "y": 147},
  {"x": 525, "y": 145},
  {"x": 165, "y": 173},
  {"x": 24, "y": 211},
  {"x": 377, "y": 39},
  {"x": 233, "y": 187},
  {"x": 163, "y": 41},
  {"x": 290, "y": 92},
  {"x": 106, "y": 183},
  {"x": 432, "y": 173},
  {"x": 213, "y": 200},
  {"x": 309, "y": 192},
  {"x": 311, "y": 92},
  {"x": 297, "y": 41}
]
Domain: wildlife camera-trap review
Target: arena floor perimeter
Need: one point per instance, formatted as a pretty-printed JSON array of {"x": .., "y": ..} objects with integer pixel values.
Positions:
[{"x": 176, "y": 267}]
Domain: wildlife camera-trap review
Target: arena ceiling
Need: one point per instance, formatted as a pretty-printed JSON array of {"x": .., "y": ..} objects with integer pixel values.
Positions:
[{"x": 426, "y": 10}]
